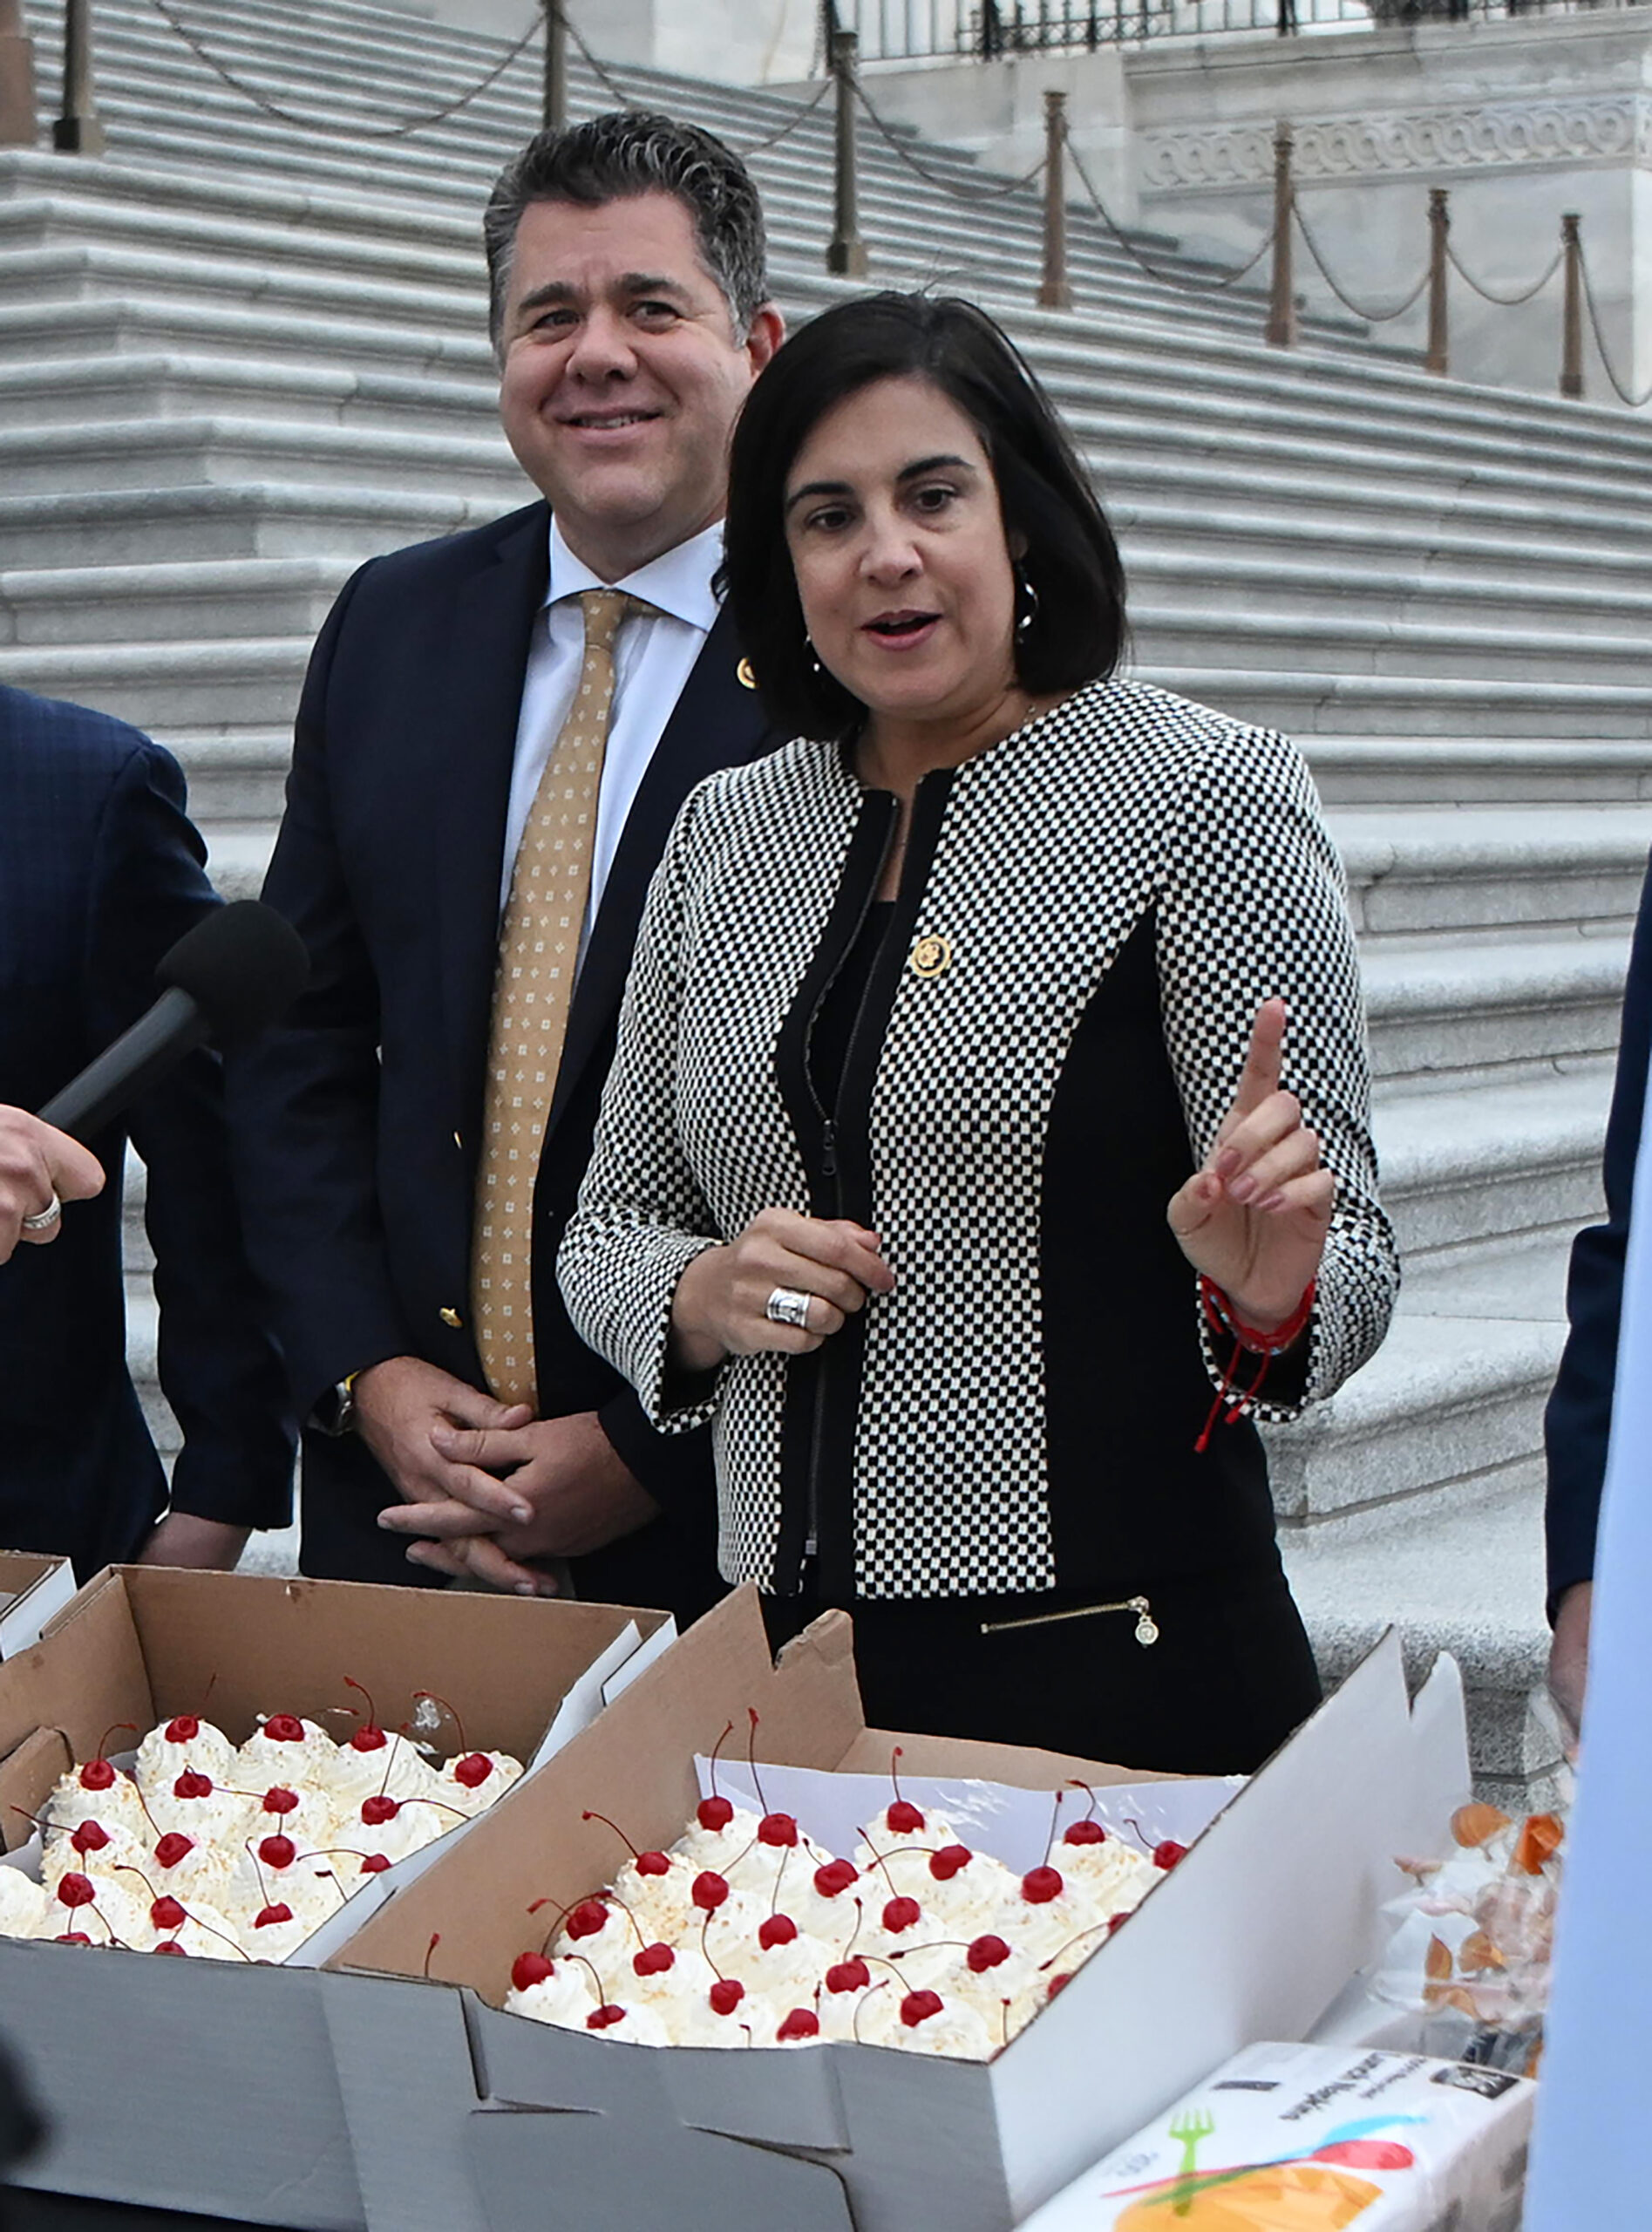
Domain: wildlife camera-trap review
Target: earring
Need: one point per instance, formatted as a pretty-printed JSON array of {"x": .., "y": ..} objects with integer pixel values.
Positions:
[
  {"x": 1031, "y": 595},
  {"x": 815, "y": 666}
]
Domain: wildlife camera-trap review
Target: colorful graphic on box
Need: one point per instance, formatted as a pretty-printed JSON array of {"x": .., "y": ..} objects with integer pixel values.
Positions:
[{"x": 1319, "y": 2191}]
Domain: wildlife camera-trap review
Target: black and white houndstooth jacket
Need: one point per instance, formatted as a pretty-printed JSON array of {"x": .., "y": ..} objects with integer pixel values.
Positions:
[{"x": 1089, "y": 914}]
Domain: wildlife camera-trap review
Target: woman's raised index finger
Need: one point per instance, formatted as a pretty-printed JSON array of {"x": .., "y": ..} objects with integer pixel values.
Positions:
[{"x": 1260, "y": 1076}]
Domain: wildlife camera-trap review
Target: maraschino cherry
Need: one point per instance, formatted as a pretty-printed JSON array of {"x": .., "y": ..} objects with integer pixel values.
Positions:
[
  {"x": 370, "y": 1736},
  {"x": 646, "y": 1863},
  {"x": 473, "y": 1770},
  {"x": 192, "y": 1784},
  {"x": 715, "y": 1813},
  {"x": 777, "y": 1830},
  {"x": 173, "y": 1848},
  {"x": 91, "y": 1836},
  {"x": 1089, "y": 1831},
  {"x": 101, "y": 1773},
  {"x": 834, "y": 1878},
  {"x": 284, "y": 1728},
  {"x": 900, "y": 1912},
  {"x": 902, "y": 1819},
  {"x": 727, "y": 1993},
  {"x": 851, "y": 1973},
  {"x": 801, "y": 2022},
  {"x": 165, "y": 1912},
  {"x": 919, "y": 2006},
  {"x": 530, "y": 1969},
  {"x": 709, "y": 1891},
  {"x": 1040, "y": 1885}
]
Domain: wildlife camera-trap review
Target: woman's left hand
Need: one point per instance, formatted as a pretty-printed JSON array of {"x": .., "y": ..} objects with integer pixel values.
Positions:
[{"x": 1253, "y": 1219}]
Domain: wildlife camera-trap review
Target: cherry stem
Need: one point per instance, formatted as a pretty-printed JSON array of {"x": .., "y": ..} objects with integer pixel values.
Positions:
[
  {"x": 1061, "y": 1951},
  {"x": 1054, "y": 1823},
  {"x": 893, "y": 1887},
  {"x": 371, "y": 1721},
  {"x": 859, "y": 1919},
  {"x": 435, "y": 1939},
  {"x": 458, "y": 1811},
  {"x": 126, "y": 1868},
  {"x": 715, "y": 1748},
  {"x": 590, "y": 1967},
  {"x": 1076, "y": 1783},
  {"x": 629, "y": 1916},
  {"x": 860, "y": 2005},
  {"x": 263, "y": 1887},
  {"x": 1131, "y": 1822},
  {"x": 103, "y": 1745},
  {"x": 618, "y": 1831},
  {"x": 893, "y": 1777},
  {"x": 437, "y": 1698},
  {"x": 562, "y": 1914},
  {"x": 706, "y": 1950},
  {"x": 751, "y": 1757},
  {"x": 785, "y": 1853}
]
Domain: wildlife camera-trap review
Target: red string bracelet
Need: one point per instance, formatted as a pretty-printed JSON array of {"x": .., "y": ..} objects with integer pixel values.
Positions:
[{"x": 1222, "y": 1317}]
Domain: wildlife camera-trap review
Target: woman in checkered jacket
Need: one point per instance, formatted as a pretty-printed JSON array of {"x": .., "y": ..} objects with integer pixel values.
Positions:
[{"x": 946, "y": 1165}]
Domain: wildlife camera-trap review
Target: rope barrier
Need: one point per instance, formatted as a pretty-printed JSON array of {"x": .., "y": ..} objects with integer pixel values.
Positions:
[
  {"x": 1504, "y": 302},
  {"x": 354, "y": 131},
  {"x": 1166, "y": 278},
  {"x": 946, "y": 186},
  {"x": 610, "y": 85},
  {"x": 760, "y": 146},
  {"x": 1359, "y": 309},
  {"x": 1634, "y": 402}
]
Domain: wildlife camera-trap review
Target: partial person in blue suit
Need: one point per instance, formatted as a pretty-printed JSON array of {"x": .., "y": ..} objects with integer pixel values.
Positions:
[
  {"x": 100, "y": 872},
  {"x": 1578, "y": 1422}
]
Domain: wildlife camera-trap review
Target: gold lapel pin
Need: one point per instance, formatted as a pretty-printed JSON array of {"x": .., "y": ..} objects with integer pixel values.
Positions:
[
  {"x": 747, "y": 679},
  {"x": 932, "y": 955}
]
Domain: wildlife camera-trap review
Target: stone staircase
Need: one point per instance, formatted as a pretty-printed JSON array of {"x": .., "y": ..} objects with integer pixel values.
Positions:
[{"x": 237, "y": 356}]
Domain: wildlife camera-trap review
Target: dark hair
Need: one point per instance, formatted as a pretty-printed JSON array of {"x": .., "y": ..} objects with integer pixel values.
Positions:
[
  {"x": 634, "y": 151},
  {"x": 1076, "y": 630}
]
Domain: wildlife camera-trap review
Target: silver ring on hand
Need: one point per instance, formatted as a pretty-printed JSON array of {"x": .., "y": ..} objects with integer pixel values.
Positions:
[
  {"x": 42, "y": 1218},
  {"x": 785, "y": 1306}
]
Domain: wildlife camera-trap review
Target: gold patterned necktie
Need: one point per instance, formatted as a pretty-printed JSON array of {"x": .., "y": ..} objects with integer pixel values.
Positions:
[{"x": 538, "y": 954}]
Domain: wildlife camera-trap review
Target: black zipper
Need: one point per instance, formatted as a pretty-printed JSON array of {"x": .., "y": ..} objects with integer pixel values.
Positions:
[{"x": 830, "y": 1170}]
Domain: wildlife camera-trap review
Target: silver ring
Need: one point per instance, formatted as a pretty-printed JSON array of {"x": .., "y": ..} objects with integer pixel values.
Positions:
[
  {"x": 785, "y": 1306},
  {"x": 42, "y": 1218}
]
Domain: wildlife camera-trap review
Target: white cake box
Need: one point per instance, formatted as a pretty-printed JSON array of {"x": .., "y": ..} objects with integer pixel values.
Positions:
[
  {"x": 209, "y": 2086},
  {"x": 1305, "y": 2139},
  {"x": 466, "y": 2119},
  {"x": 33, "y": 1589}
]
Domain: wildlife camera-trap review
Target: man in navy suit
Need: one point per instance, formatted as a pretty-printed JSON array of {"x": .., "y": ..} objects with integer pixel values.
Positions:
[
  {"x": 1578, "y": 1422},
  {"x": 100, "y": 872},
  {"x": 631, "y": 315}
]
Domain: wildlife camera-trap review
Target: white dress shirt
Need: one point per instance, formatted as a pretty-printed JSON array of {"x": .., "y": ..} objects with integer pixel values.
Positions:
[{"x": 653, "y": 659}]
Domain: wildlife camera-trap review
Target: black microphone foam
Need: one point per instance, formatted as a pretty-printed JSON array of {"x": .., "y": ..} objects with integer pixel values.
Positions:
[
  {"x": 228, "y": 979},
  {"x": 243, "y": 965}
]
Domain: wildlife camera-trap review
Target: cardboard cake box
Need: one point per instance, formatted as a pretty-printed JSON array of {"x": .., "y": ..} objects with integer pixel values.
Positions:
[
  {"x": 33, "y": 1589},
  {"x": 209, "y": 2086},
  {"x": 466, "y": 2119}
]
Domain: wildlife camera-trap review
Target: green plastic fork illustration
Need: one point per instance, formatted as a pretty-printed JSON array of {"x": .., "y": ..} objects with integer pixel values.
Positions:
[{"x": 1187, "y": 2130}]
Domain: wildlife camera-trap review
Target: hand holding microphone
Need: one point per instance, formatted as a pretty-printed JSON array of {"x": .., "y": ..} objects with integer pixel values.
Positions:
[{"x": 40, "y": 1169}]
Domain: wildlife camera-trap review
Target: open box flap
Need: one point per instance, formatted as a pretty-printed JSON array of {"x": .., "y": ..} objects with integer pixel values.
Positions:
[
  {"x": 33, "y": 1590},
  {"x": 1251, "y": 1936}
]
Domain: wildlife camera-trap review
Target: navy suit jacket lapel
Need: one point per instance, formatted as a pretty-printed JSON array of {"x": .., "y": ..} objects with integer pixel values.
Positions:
[
  {"x": 719, "y": 722},
  {"x": 486, "y": 661}
]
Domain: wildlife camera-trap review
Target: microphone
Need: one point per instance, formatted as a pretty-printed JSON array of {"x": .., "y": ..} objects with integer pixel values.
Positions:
[{"x": 234, "y": 974}]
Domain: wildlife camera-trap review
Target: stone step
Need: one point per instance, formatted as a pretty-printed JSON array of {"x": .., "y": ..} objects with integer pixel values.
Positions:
[
  {"x": 1523, "y": 559},
  {"x": 57, "y": 393},
  {"x": 238, "y": 857},
  {"x": 255, "y": 518},
  {"x": 229, "y": 685},
  {"x": 1349, "y": 639},
  {"x": 233, "y": 780},
  {"x": 1491, "y": 1163},
  {"x": 144, "y": 325},
  {"x": 1308, "y": 703},
  {"x": 1471, "y": 1582},
  {"x": 1441, "y": 1019},
  {"x": 175, "y": 452},
  {"x": 1303, "y": 597},
  {"x": 1434, "y": 876},
  {"x": 1394, "y": 772},
  {"x": 205, "y": 600}
]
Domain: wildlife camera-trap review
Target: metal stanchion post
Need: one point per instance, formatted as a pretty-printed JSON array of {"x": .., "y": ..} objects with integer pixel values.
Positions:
[
  {"x": 79, "y": 130},
  {"x": 554, "y": 112},
  {"x": 16, "y": 79},
  {"x": 1055, "y": 292},
  {"x": 847, "y": 253},
  {"x": 1282, "y": 311},
  {"x": 1437, "y": 359},
  {"x": 1572, "y": 312}
]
